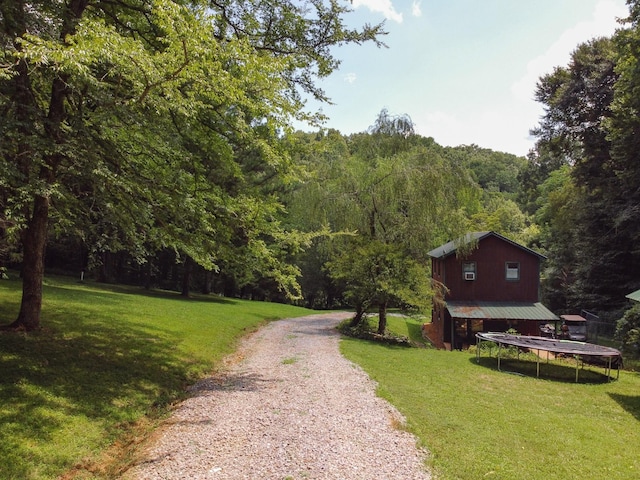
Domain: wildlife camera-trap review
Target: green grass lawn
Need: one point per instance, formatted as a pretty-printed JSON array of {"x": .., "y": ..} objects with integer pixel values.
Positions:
[
  {"x": 109, "y": 361},
  {"x": 479, "y": 422},
  {"x": 106, "y": 359}
]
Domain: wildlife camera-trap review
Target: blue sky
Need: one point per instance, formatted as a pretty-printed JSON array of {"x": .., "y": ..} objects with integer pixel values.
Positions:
[{"x": 464, "y": 70}]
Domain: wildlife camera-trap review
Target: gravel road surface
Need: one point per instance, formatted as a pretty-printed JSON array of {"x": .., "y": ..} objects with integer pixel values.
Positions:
[{"x": 287, "y": 406}]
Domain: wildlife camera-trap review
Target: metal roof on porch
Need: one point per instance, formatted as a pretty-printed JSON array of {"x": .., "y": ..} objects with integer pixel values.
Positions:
[
  {"x": 500, "y": 311},
  {"x": 634, "y": 296}
]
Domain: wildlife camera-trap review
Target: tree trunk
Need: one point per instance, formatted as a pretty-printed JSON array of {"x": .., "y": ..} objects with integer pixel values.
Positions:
[
  {"x": 382, "y": 317},
  {"x": 147, "y": 274},
  {"x": 34, "y": 236},
  {"x": 34, "y": 241},
  {"x": 208, "y": 280},
  {"x": 359, "y": 315},
  {"x": 186, "y": 277},
  {"x": 102, "y": 273}
]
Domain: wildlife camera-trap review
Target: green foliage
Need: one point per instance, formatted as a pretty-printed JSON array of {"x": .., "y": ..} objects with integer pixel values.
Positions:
[
  {"x": 375, "y": 272},
  {"x": 628, "y": 332},
  {"x": 494, "y": 171},
  {"x": 589, "y": 218},
  {"x": 499, "y": 175},
  {"x": 502, "y": 216},
  {"x": 147, "y": 125},
  {"x": 402, "y": 330},
  {"x": 391, "y": 196},
  {"x": 106, "y": 359}
]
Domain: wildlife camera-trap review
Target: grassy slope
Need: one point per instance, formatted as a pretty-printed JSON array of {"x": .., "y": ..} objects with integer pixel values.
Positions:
[
  {"x": 108, "y": 357},
  {"x": 478, "y": 422},
  {"x": 105, "y": 358}
]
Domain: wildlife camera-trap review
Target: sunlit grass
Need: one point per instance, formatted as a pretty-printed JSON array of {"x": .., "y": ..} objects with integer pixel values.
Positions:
[
  {"x": 478, "y": 422},
  {"x": 105, "y": 359}
]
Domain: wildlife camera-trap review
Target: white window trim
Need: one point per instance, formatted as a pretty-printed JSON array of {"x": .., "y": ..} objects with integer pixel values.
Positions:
[
  {"x": 507, "y": 271},
  {"x": 469, "y": 267}
]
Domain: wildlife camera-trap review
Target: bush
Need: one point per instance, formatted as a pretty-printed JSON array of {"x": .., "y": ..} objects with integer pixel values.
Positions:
[
  {"x": 365, "y": 331},
  {"x": 628, "y": 332}
]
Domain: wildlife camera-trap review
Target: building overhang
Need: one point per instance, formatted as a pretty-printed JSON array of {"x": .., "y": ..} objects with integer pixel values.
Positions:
[
  {"x": 469, "y": 310},
  {"x": 634, "y": 296}
]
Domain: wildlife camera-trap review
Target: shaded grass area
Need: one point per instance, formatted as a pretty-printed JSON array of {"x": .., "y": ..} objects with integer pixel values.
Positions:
[
  {"x": 105, "y": 359},
  {"x": 479, "y": 422},
  {"x": 406, "y": 330}
]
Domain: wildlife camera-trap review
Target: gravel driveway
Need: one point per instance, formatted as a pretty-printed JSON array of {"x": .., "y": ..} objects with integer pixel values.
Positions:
[{"x": 288, "y": 406}]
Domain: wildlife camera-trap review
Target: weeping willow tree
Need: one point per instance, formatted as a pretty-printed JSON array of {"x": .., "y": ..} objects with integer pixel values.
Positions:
[{"x": 395, "y": 198}]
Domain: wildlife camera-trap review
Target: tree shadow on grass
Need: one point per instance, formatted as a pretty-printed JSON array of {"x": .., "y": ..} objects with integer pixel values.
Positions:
[
  {"x": 233, "y": 382},
  {"x": 631, "y": 403},
  {"x": 64, "y": 283},
  {"x": 169, "y": 295},
  {"x": 415, "y": 332},
  {"x": 558, "y": 372},
  {"x": 82, "y": 365}
]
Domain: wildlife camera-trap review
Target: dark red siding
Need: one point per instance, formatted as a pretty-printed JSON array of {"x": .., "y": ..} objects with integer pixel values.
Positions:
[{"x": 490, "y": 284}]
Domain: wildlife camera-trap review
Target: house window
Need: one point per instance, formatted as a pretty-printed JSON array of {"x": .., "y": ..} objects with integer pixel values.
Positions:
[
  {"x": 469, "y": 270},
  {"x": 512, "y": 271}
]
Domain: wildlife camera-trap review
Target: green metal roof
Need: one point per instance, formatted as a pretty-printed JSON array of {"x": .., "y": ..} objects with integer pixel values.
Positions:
[
  {"x": 634, "y": 296},
  {"x": 451, "y": 247},
  {"x": 500, "y": 311}
]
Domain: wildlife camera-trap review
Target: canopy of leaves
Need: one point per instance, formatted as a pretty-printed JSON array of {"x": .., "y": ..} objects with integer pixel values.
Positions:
[
  {"x": 150, "y": 124},
  {"x": 593, "y": 257},
  {"x": 394, "y": 197},
  {"x": 628, "y": 331}
]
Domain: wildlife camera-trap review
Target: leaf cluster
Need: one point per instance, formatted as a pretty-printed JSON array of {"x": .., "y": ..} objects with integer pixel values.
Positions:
[
  {"x": 582, "y": 170},
  {"x": 155, "y": 124}
]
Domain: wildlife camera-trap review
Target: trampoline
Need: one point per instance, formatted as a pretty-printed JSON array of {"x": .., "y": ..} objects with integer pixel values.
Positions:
[{"x": 589, "y": 352}]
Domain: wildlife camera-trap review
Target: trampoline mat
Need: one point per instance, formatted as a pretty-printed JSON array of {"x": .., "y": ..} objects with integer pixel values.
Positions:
[{"x": 568, "y": 347}]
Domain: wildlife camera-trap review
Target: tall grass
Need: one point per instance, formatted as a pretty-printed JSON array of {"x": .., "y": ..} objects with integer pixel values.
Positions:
[
  {"x": 479, "y": 422},
  {"x": 105, "y": 359}
]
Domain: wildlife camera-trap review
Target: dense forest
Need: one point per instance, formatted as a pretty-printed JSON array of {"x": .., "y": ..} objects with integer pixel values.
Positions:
[{"x": 149, "y": 143}]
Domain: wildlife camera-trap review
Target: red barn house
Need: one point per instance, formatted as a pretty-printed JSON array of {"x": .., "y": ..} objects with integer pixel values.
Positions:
[{"x": 493, "y": 288}]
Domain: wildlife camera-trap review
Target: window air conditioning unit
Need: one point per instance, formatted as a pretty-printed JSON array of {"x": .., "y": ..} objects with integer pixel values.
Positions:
[{"x": 469, "y": 275}]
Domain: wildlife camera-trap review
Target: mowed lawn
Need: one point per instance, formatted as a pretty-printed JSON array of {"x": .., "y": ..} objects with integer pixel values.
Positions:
[
  {"x": 481, "y": 423},
  {"x": 109, "y": 361},
  {"x": 104, "y": 368}
]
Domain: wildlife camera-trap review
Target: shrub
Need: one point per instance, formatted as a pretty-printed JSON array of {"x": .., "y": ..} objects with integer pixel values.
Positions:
[
  {"x": 365, "y": 331},
  {"x": 628, "y": 331}
]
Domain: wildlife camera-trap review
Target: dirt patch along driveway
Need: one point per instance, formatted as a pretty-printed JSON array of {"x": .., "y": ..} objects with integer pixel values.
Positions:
[{"x": 288, "y": 407}]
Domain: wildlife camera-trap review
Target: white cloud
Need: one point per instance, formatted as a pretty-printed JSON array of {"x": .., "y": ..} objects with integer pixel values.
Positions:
[
  {"x": 350, "y": 77},
  {"x": 487, "y": 129},
  {"x": 381, "y": 6},
  {"x": 416, "y": 11},
  {"x": 603, "y": 23}
]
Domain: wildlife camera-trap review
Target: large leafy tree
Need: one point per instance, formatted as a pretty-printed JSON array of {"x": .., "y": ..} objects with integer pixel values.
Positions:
[
  {"x": 597, "y": 260},
  {"x": 493, "y": 171},
  {"x": 577, "y": 100},
  {"x": 393, "y": 198},
  {"x": 624, "y": 134},
  {"x": 320, "y": 155},
  {"x": 153, "y": 123}
]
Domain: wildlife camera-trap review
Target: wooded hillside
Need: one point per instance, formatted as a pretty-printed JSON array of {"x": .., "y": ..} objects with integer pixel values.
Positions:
[{"x": 150, "y": 143}]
